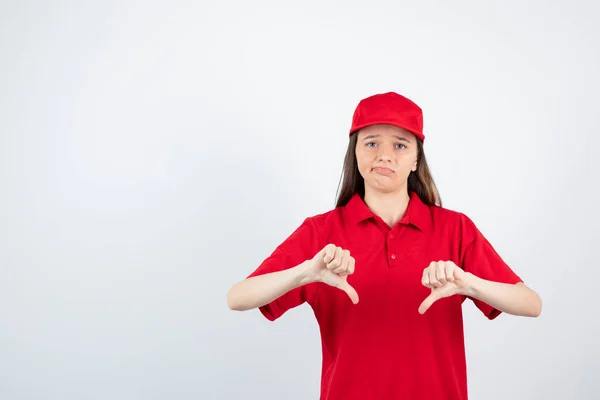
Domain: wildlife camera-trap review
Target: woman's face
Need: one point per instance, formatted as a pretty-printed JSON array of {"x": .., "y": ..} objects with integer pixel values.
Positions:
[{"x": 386, "y": 155}]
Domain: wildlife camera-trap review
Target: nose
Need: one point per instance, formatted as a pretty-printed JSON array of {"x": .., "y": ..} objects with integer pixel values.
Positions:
[{"x": 385, "y": 154}]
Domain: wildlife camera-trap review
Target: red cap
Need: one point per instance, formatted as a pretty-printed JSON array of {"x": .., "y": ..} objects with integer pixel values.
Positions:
[{"x": 389, "y": 108}]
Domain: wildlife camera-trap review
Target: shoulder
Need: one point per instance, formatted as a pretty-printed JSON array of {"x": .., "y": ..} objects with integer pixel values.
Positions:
[
  {"x": 446, "y": 215},
  {"x": 321, "y": 221},
  {"x": 456, "y": 220}
]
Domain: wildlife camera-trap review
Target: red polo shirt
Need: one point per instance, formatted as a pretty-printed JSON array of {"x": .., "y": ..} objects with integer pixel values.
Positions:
[{"x": 382, "y": 348}]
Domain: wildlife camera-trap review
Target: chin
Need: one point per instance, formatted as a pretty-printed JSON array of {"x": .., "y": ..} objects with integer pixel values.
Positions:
[{"x": 382, "y": 188}]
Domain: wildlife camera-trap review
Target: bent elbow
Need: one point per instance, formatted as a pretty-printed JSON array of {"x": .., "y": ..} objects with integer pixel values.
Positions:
[
  {"x": 235, "y": 299},
  {"x": 232, "y": 304},
  {"x": 537, "y": 306},
  {"x": 538, "y": 310}
]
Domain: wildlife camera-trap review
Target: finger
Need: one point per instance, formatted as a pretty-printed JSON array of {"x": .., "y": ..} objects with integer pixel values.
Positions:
[
  {"x": 432, "y": 298},
  {"x": 440, "y": 272},
  {"x": 425, "y": 279},
  {"x": 343, "y": 268},
  {"x": 329, "y": 251},
  {"x": 343, "y": 257},
  {"x": 450, "y": 271},
  {"x": 350, "y": 291},
  {"x": 351, "y": 265},
  {"x": 432, "y": 275},
  {"x": 337, "y": 259}
]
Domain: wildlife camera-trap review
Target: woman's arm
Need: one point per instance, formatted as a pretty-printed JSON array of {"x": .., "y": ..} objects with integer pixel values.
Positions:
[
  {"x": 515, "y": 299},
  {"x": 331, "y": 265},
  {"x": 259, "y": 290},
  {"x": 445, "y": 279}
]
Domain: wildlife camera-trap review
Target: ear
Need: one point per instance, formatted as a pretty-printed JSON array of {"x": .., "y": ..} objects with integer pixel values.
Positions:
[{"x": 414, "y": 167}]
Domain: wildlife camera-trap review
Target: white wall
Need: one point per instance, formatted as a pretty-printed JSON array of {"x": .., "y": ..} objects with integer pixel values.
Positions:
[{"x": 153, "y": 153}]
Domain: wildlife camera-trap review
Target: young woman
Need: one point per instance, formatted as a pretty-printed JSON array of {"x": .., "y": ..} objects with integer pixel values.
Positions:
[{"x": 387, "y": 270}]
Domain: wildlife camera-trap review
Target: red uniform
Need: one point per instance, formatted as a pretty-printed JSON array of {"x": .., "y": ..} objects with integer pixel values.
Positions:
[{"x": 382, "y": 348}]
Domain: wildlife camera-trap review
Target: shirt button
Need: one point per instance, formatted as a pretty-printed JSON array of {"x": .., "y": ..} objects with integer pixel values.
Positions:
[
  {"x": 393, "y": 256},
  {"x": 391, "y": 235}
]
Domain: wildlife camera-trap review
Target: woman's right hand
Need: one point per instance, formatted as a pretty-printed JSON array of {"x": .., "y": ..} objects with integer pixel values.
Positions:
[{"x": 332, "y": 265}]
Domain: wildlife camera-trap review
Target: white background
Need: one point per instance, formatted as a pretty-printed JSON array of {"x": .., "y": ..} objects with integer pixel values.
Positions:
[{"x": 153, "y": 153}]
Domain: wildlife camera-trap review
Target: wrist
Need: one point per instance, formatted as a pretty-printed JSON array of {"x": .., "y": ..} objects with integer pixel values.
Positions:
[
  {"x": 473, "y": 285},
  {"x": 305, "y": 274}
]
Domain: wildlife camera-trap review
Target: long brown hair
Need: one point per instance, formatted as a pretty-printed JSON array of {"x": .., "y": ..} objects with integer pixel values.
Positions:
[{"x": 420, "y": 181}]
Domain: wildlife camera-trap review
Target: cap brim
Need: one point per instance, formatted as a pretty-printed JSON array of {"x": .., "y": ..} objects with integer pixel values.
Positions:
[{"x": 384, "y": 122}]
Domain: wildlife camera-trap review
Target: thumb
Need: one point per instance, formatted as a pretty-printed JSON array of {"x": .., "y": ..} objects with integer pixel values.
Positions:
[
  {"x": 432, "y": 298},
  {"x": 350, "y": 291}
]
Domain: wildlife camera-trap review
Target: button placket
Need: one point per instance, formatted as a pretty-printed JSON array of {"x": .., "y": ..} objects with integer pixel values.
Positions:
[{"x": 391, "y": 247}]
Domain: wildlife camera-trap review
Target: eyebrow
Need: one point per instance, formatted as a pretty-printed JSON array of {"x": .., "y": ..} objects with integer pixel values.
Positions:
[{"x": 397, "y": 137}]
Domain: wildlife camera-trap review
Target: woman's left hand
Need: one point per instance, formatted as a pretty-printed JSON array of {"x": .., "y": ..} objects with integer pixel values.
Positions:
[{"x": 445, "y": 279}]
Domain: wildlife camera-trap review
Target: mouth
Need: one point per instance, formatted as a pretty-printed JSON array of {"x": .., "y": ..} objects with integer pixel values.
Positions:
[{"x": 383, "y": 171}]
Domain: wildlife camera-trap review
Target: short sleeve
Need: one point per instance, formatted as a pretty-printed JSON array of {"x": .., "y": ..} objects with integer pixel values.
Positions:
[
  {"x": 300, "y": 246},
  {"x": 480, "y": 258}
]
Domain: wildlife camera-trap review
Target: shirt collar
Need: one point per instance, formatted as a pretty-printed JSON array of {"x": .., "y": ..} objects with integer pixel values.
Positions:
[{"x": 417, "y": 212}]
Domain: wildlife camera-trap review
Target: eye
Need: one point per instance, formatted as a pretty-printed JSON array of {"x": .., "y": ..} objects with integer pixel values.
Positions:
[
  {"x": 400, "y": 145},
  {"x": 370, "y": 144}
]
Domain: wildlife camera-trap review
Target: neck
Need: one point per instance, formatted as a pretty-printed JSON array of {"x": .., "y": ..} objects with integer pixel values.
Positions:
[{"x": 390, "y": 207}]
